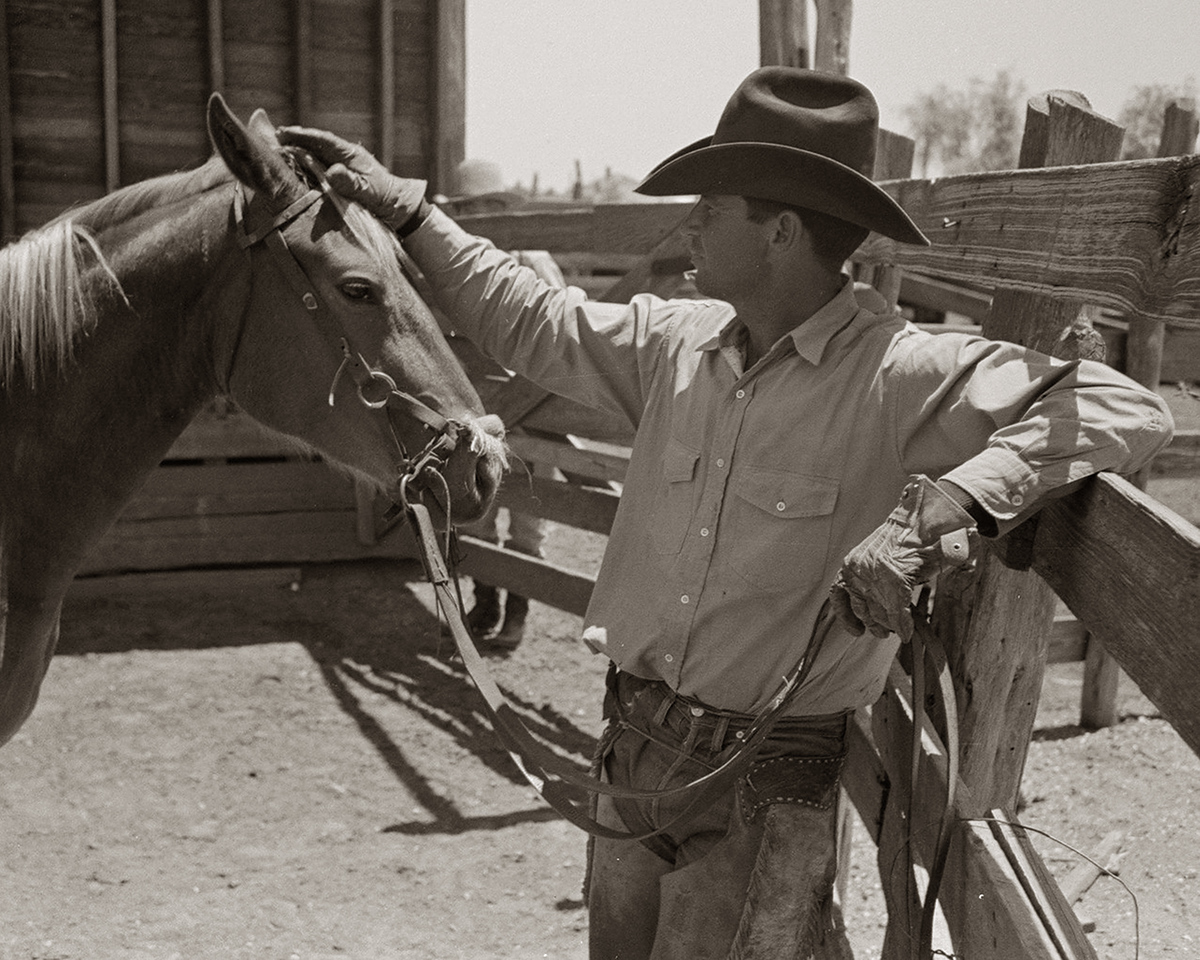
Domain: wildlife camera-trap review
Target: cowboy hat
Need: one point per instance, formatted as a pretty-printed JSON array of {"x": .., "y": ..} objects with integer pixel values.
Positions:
[{"x": 800, "y": 137}]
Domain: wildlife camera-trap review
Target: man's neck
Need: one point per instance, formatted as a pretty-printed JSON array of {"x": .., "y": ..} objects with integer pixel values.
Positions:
[{"x": 784, "y": 307}]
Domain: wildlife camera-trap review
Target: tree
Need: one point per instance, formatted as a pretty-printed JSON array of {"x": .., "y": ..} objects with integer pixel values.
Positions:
[
  {"x": 1142, "y": 116},
  {"x": 966, "y": 131},
  {"x": 940, "y": 123}
]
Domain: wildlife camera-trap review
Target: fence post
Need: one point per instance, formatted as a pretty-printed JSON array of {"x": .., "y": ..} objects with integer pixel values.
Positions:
[
  {"x": 783, "y": 33},
  {"x": 996, "y": 621}
]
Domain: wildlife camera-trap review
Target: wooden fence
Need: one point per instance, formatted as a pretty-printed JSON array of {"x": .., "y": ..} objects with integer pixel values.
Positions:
[{"x": 99, "y": 93}]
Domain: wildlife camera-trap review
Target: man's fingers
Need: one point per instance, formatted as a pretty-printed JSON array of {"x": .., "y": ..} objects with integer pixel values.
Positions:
[
  {"x": 862, "y": 609},
  {"x": 345, "y": 181},
  {"x": 844, "y": 612},
  {"x": 327, "y": 147}
]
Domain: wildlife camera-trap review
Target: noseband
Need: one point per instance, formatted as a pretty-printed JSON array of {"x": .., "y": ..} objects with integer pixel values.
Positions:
[{"x": 376, "y": 389}]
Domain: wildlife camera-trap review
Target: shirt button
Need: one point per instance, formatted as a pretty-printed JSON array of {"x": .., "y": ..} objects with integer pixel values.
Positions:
[
  {"x": 1017, "y": 499},
  {"x": 741, "y": 394},
  {"x": 781, "y": 505},
  {"x": 685, "y": 599},
  {"x": 704, "y": 531},
  {"x": 668, "y": 658},
  {"x": 720, "y": 461},
  {"x": 697, "y": 711}
]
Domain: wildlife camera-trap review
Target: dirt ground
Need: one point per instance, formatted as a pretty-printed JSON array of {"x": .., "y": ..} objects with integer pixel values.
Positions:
[{"x": 290, "y": 765}]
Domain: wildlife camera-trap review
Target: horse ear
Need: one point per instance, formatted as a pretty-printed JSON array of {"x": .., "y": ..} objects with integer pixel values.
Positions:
[
  {"x": 252, "y": 156},
  {"x": 261, "y": 124}
]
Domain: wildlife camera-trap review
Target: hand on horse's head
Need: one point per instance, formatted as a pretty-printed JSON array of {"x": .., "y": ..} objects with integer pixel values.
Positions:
[{"x": 356, "y": 175}]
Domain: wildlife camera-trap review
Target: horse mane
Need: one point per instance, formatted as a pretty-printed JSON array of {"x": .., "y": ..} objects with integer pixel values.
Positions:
[{"x": 44, "y": 304}]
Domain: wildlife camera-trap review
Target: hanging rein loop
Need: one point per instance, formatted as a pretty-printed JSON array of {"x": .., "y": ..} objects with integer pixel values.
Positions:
[{"x": 375, "y": 388}]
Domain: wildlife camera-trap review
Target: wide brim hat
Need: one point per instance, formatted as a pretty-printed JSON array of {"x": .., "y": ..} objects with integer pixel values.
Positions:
[{"x": 800, "y": 137}]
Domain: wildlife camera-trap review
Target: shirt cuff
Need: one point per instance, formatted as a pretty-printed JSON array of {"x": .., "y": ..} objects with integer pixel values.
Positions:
[{"x": 1001, "y": 483}]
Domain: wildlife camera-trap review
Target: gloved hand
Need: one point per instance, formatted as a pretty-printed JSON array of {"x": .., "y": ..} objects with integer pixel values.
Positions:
[
  {"x": 356, "y": 175},
  {"x": 926, "y": 533}
]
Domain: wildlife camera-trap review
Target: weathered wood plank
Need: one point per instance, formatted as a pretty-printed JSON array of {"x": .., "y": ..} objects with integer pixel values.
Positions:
[
  {"x": 234, "y": 434},
  {"x": 1129, "y": 569},
  {"x": 538, "y": 579},
  {"x": 562, "y": 502},
  {"x": 632, "y": 228},
  {"x": 587, "y": 462},
  {"x": 996, "y": 622},
  {"x": 276, "y": 538},
  {"x": 783, "y": 34},
  {"x": 222, "y": 489},
  {"x": 560, "y": 415},
  {"x": 943, "y": 297},
  {"x": 1181, "y": 456},
  {"x": 449, "y": 119},
  {"x": 8, "y": 195},
  {"x": 999, "y": 906},
  {"x": 1119, "y": 234},
  {"x": 239, "y": 579},
  {"x": 112, "y": 119},
  {"x": 864, "y": 778}
]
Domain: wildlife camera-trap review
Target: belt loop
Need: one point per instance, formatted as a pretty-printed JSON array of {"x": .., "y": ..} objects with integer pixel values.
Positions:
[
  {"x": 719, "y": 730},
  {"x": 664, "y": 708}
]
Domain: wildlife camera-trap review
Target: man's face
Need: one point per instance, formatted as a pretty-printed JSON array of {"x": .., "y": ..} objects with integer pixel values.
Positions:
[{"x": 728, "y": 249}]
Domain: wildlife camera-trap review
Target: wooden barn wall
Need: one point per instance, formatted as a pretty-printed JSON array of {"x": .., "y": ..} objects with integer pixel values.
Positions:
[{"x": 103, "y": 93}]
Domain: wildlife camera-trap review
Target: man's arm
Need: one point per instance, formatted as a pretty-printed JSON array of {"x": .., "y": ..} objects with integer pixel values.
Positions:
[{"x": 1003, "y": 429}]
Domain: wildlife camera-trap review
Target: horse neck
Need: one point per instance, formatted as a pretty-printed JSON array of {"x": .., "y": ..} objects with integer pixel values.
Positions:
[{"x": 90, "y": 437}]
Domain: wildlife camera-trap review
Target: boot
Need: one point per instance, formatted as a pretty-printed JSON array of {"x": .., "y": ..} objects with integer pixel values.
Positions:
[
  {"x": 510, "y": 635},
  {"x": 485, "y": 616}
]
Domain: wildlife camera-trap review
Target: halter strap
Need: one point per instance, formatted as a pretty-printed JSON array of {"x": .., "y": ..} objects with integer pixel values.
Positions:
[{"x": 285, "y": 216}]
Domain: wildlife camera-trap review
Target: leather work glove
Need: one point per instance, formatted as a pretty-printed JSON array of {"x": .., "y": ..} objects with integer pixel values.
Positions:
[
  {"x": 356, "y": 175},
  {"x": 926, "y": 533}
]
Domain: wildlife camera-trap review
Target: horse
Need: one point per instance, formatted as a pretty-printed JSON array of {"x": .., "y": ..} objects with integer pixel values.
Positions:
[{"x": 246, "y": 277}]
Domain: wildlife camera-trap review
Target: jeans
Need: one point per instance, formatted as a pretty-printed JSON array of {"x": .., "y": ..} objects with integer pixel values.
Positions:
[{"x": 750, "y": 875}]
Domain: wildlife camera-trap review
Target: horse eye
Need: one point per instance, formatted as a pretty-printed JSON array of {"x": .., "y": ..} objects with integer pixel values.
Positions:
[{"x": 358, "y": 290}]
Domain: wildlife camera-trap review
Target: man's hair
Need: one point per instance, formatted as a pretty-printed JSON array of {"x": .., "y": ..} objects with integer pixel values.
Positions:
[{"x": 834, "y": 239}]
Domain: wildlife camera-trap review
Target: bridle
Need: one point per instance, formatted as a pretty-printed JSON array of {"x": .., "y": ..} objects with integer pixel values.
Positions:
[{"x": 375, "y": 388}]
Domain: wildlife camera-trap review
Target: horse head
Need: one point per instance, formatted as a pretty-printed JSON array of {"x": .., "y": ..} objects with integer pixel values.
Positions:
[{"x": 335, "y": 347}]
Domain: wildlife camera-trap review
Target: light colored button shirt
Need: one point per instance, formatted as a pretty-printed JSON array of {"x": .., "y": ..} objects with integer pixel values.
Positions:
[{"x": 746, "y": 488}]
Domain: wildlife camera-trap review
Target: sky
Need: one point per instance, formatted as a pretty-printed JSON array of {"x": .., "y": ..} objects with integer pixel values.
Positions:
[{"x": 621, "y": 84}]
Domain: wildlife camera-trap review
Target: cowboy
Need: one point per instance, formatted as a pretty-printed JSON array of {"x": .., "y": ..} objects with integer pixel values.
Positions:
[
  {"x": 789, "y": 437},
  {"x": 497, "y": 619}
]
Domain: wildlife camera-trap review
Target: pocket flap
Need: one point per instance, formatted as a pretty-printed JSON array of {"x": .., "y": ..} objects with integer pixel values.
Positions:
[
  {"x": 786, "y": 495},
  {"x": 679, "y": 462}
]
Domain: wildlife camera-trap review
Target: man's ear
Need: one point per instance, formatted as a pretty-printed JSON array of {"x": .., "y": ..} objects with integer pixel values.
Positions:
[{"x": 789, "y": 229}]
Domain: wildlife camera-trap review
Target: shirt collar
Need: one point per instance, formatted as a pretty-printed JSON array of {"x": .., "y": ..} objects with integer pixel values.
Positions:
[{"x": 811, "y": 337}]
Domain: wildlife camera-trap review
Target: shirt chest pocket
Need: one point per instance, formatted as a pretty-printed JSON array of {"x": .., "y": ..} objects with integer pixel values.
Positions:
[
  {"x": 777, "y": 531},
  {"x": 676, "y": 499}
]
